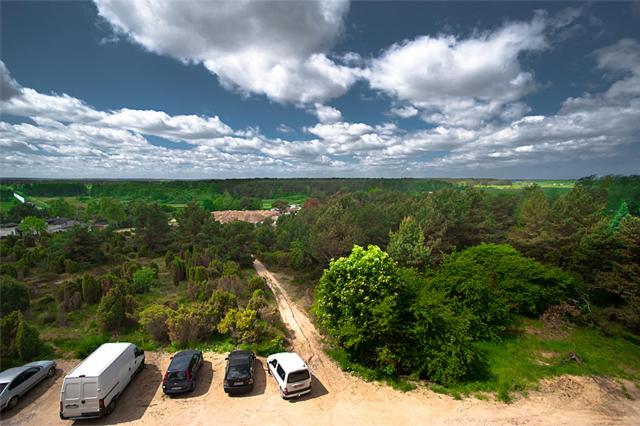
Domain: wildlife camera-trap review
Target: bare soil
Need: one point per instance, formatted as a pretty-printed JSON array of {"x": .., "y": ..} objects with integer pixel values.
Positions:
[{"x": 337, "y": 397}]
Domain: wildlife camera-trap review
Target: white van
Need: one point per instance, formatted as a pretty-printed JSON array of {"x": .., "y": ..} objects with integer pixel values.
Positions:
[
  {"x": 291, "y": 374},
  {"x": 92, "y": 388}
]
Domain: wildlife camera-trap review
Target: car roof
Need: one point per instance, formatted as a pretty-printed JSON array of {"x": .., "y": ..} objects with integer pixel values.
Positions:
[
  {"x": 11, "y": 373},
  {"x": 181, "y": 360},
  {"x": 289, "y": 361},
  {"x": 240, "y": 357}
]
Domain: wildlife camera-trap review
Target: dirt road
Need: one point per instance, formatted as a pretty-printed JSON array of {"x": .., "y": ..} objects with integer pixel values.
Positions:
[{"x": 336, "y": 399}]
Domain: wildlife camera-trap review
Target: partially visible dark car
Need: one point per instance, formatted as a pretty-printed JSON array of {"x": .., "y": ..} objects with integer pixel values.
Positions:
[
  {"x": 238, "y": 376},
  {"x": 181, "y": 373}
]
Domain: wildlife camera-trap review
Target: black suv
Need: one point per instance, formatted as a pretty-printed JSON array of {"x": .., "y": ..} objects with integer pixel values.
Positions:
[
  {"x": 181, "y": 374},
  {"x": 238, "y": 376}
]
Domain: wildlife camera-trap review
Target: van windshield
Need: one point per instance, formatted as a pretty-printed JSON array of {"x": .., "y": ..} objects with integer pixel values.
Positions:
[{"x": 298, "y": 376}]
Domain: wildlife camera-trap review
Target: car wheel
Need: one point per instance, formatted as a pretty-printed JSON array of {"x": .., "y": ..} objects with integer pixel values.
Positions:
[
  {"x": 13, "y": 402},
  {"x": 51, "y": 372}
]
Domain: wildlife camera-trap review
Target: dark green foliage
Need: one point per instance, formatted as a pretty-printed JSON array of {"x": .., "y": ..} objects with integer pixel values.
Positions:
[
  {"x": 143, "y": 279},
  {"x": 441, "y": 347},
  {"x": 357, "y": 303},
  {"x": 220, "y": 303},
  {"x": 257, "y": 300},
  {"x": 151, "y": 224},
  {"x": 8, "y": 328},
  {"x": 28, "y": 343},
  {"x": 91, "y": 290},
  {"x": 8, "y": 269},
  {"x": 178, "y": 271},
  {"x": 111, "y": 313},
  {"x": 623, "y": 211},
  {"x": 14, "y": 296},
  {"x": 493, "y": 282}
]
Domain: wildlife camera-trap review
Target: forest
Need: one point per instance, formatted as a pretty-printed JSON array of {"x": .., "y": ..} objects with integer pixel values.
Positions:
[{"x": 410, "y": 279}]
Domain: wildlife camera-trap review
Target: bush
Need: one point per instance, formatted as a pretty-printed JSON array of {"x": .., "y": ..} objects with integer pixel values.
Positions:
[
  {"x": 493, "y": 282},
  {"x": 154, "y": 320},
  {"x": 188, "y": 325},
  {"x": 8, "y": 269},
  {"x": 257, "y": 283},
  {"x": 111, "y": 313},
  {"x": 257, "y": 300},
  {"x": 91, "y": 291},
  {"x": 28, "y": 344},
  {"x": 88, "y": 344},
  {"x": 241, "y": 324},
  {"x": 144, "y": 279},
  {"x": 357, "y": 303},
  {"x": 8, "y": 327},
  {"x": 179, "y": 272},
  {"x": 220, "y": 303},
  {"x": 14, "y": 296},
  {"x": 230, "y": 268},
  {"x": 70, "y": 266}
]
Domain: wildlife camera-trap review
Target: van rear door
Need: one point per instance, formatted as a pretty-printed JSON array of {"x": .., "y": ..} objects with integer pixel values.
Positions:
[
  {"x": 70, "y": 398},
  {"x": 89, "y": 401}
]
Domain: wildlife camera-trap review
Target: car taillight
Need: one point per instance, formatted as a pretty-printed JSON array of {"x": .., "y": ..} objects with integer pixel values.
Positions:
[
  {"x": 285, "y": 391},
  {"x": 166, "y": 376},
  {"x": 188, "y": 375},
  {"x": 61, "y": 406},
  {"x": 101, "y": 404}
]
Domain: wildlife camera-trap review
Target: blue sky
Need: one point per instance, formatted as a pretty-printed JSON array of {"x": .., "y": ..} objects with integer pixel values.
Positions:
[{"x": 115, "y": 88}]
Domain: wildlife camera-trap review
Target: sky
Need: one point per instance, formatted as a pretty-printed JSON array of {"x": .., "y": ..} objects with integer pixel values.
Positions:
[{"x": 174, "y": 89}]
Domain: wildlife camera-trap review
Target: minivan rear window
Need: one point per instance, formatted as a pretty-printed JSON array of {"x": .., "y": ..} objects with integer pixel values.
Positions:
[
  {"x": 89, "y": 390},
  {"x": 298, "y": 376},
  {"x": 72, "y": 390}
]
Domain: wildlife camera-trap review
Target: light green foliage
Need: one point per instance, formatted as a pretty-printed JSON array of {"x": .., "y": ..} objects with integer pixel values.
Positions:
[
  {"x": 230, "y": 268},
  {"x": 144, "y": 279},
  {"x": 14, "y": 296},
  {"x": 407, "y": 246},
  {"x": 60, "y": 208},
  {"x": 623, "y": 211},
  {"x": 257, "y": 300},
  {"x": 241, "y": 324},
  {"x": 357, "y": 301},
  {"x": 198, "y": 274},
  {"x": 32, "y": 225},
  {"x": 220, "y": 303},
  {"x": 111, "y": 313},
  {"x": 91, "y": 291},
  {"x": 154, "y": 320}
]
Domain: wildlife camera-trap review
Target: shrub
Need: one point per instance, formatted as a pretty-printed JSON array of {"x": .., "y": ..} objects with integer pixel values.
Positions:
[
  {"x": 257, "y": 300},
  {"x": 230, "y": 268},
  {"x": 91, "y": 290},
  {"x": 28, "y": 343},
  {"x": 154, "y": 320},
  {"x": 201, "y": 291},
  {"x": 14, "y": 296},
  {"x": 357, "y": 302},
  {"x": 220, "y": 303},
  {"x": 111, "y": 313},
  {"x": 8, "y": 269},
  {"x": 257, "y": 283},
  {"x": 187, "y": 325},
  {"x": 144, "y": 279},
  {"x": 107, "y": 282},
  {"x": 88, "y": 344},
  {"x": 231, "y": 284},
  {"x": 8, "y": 327},
  {"x": 198, "y": 274},
  {"x": 241, "y": 324},
  {"x": 179, "y": 272},
  {"x": 70, "y": 266}
]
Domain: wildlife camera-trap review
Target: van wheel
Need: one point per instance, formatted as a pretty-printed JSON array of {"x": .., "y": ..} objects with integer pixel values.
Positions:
[
  {"x": 13, "y": 402},
  {"x": 51, "y": 372},
  {"x": 111, "y": 406}
]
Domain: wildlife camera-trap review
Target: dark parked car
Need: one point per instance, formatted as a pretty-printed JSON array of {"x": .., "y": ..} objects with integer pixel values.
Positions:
[
  {"x": 15, "y": 382},
  {"x": 238, "y": 376},
  {"x": 181, "y": 374}
]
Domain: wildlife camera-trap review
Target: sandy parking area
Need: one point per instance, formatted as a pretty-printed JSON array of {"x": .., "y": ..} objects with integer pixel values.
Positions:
[{"x": 337, "y": 398}]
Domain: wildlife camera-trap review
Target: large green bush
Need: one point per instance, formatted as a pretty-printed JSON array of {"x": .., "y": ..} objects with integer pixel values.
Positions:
[
  {"x": 154, "y": 320},
  {"x": 91, "y": 290},
  {"x": 357, "y": 303},
  {"x": 14, "y": 296},
  {"x": 493, "y": 282},
  {"x": 28, "y": 343}
]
